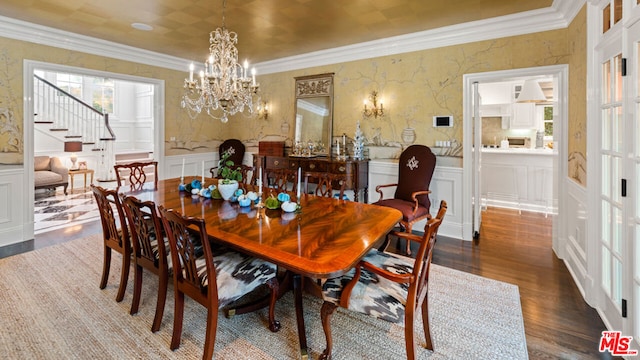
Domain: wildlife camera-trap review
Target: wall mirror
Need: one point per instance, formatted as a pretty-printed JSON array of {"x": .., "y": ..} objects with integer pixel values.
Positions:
[{"x": 314, "y": 114}]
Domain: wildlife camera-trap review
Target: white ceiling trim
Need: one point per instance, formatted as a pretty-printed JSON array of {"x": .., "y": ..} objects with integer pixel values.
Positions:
[
  {"x": 558, "y": 16},
  {"x": 43, "y": 35}
]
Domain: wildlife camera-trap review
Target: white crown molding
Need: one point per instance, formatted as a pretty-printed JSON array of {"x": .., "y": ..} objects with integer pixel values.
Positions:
[
  {"x": 558, "y": 16},
  {"x": 38, "y": 34}
]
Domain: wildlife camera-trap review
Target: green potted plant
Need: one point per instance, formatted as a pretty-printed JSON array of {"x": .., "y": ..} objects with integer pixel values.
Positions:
[{"x": 228, "y": 175}]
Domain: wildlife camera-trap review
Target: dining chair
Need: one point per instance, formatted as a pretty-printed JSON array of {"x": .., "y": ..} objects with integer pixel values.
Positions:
[
  {"x": 326, "y": 184},
  {"x": 415, "y": 170},
  {"x": 150, "y": 251},
  {"x": 387, "y": 286},
  {"x": 137, "y": 174},
  {"x": 283, "y": 180},
  {"x": 213, "y": 279},
  {"x": 115, "y": 233},
  {"x": 236, "y": 149}
]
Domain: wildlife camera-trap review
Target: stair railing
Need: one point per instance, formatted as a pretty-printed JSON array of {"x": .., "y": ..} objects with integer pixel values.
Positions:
[{"x": 79, "y": 120}]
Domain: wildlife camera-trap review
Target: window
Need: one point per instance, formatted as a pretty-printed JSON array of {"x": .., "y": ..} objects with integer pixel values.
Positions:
[
  {"x": 102, "y": 90},
  {"x": 70, "y": 83},
  {"x": 548, "y": 122}
]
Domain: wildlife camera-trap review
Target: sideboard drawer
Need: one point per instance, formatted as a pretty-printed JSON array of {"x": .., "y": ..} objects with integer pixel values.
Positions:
[{"x": 276, "y": 162}]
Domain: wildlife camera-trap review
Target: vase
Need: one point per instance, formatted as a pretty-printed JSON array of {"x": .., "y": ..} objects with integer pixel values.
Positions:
[
  {"x": 227, "y": 190},
  {"x": 408, "y": 136}
]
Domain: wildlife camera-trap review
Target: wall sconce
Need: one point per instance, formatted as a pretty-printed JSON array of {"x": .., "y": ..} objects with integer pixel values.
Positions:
[
  {"x": 376, "y": 110},
  {"x": 263, "y": 111}
]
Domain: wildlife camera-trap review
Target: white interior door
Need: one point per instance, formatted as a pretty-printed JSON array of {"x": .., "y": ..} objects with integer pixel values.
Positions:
[
  {"x": 633, "y": 175},
  {"x": 612, "y": 234},
  {"x": 477, "y": 158}
]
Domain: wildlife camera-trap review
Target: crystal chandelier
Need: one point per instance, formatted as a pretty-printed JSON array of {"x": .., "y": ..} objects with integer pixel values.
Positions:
[{"x": 224, "y": 84}]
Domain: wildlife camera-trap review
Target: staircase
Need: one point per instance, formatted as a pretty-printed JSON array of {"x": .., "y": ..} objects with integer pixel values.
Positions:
[{"x": 71, "y": 119}]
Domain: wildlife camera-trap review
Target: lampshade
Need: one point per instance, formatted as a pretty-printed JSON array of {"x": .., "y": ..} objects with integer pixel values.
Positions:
[
  {"x": 531, "y": 92},
  {"x": 72, "y": 146}
]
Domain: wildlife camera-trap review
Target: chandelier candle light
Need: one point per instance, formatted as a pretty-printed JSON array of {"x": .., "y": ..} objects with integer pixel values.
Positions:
[{"x": 224, "y": 84}]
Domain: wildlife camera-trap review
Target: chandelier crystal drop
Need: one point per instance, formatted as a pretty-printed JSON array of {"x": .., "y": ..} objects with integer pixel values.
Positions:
[{"x": 224, "y": 85}]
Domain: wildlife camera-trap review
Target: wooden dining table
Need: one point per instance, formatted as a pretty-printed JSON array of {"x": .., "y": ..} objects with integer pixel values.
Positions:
[{"x": 324, "y": 238}]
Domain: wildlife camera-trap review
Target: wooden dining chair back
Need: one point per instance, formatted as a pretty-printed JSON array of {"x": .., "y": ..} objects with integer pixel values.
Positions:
[
  {"x": 136, "y": 174},
  {"x": 115, "y": 234},
  {"x": 324, "y": 184},
  {"x": 150, "y": 251},
  {"x": 387, "y": 286},
  {"x": 283, "y": 180},
  {"x": 415, "y": 170},
  {"x": 214, "y": 280},
  {"x": 236, "y": 150}
]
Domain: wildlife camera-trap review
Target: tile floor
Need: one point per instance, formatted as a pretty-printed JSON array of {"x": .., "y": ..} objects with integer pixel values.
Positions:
[{"x": 54, "y": 210}]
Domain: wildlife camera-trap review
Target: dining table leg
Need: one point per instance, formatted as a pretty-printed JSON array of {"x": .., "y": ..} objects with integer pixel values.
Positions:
[{"x": 302, "y": 335}]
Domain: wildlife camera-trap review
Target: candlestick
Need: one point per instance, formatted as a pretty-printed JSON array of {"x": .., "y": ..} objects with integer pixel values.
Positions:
[
  {"x": 191, "y": 72},
  {"x": 338, "y": 147},
  {"x": 253, "y": 74},
  {"x": 182, "y": 172},
  {"x": 344, "y": 141},
  {"x": 203, "y": 171},
  {"x": 299, "y": 184},
  {"x": 260, "y": 181}
]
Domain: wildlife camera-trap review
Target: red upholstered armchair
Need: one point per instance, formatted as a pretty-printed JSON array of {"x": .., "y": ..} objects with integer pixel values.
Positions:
[{"x": 411, "y": 197}]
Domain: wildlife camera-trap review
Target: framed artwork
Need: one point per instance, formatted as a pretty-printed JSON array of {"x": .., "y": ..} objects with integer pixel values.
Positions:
[{"x": 82, "y": 165}]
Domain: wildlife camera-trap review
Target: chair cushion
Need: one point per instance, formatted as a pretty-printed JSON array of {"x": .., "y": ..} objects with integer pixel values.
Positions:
[
  {"x": 237, "y": 274},
  {"x": 405, "y": 207},
  {"x": 46, "y": 177},
  {"x": 374, "y": 295}
]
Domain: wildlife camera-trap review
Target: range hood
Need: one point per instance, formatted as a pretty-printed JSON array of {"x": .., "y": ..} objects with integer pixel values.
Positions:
[{"x": 531, "y": 93}]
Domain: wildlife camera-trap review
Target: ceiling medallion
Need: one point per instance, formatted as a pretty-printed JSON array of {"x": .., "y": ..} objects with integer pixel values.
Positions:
[{"x": 224, "y": 84}]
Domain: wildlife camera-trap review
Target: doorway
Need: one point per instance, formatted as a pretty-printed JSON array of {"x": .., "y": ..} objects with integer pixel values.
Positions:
[
  {"x": 472, "y": 138},
  {"x": 151, "y": 88}
]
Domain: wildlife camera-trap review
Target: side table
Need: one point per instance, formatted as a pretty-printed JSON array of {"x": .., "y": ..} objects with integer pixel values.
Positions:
[{"x": 72, "y": 173}]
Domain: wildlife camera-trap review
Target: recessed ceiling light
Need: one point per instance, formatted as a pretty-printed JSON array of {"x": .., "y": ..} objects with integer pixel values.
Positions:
[{"x": 141, "y": 26}]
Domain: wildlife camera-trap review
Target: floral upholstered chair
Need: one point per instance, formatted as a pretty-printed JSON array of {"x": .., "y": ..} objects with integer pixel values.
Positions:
[
  {"x": 387, "y": 286},
  {"x": 213, "y": 276}
]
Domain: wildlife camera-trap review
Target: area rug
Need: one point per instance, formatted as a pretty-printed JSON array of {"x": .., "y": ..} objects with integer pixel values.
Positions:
[{"x": 51, "y": 308}]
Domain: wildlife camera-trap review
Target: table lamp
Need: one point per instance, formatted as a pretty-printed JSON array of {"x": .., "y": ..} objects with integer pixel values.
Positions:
[{"x": 73, "y": 147}]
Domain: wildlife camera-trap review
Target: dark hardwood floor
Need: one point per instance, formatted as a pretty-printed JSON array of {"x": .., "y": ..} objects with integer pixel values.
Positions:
[
  {"x": 512, "y": 248},
  {"x": 516, "y": 249}
]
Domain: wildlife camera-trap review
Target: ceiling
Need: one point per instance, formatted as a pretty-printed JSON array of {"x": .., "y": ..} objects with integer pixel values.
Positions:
[{"x": 267, "y": 29}]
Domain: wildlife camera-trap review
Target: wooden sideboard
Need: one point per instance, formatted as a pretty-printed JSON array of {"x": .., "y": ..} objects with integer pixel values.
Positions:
[{"x": 355, "y": 171}]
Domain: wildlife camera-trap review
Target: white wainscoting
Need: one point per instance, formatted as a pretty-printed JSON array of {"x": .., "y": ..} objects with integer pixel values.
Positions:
[
  {"x": 446, "y": 184},
  {"x": 575, "y": 251},
  {"x": 14, "y": 224}
]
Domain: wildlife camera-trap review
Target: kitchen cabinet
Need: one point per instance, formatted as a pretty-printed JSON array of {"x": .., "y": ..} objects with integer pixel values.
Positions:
[
  {"x": 495, "y": 93},
  {"x": 518, "y": 178},
  {"x": 495, "y": 100},
  {"x": 524, "y": 116}
]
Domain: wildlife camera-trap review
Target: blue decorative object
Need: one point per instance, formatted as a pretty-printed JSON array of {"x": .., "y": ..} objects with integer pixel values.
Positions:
[
  {"x": 244, "y": 201},
  {"x": 196, "y": 184},
  {"x": 344, "y": 197},
  {"x": 182, "y": 187},
  {"x": 206, "y": 193},
  {"x": 282, "y": 197}
]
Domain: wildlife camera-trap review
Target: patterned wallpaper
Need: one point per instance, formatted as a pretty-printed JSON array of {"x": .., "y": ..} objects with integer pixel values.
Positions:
[{"x": 414, "y": 87}]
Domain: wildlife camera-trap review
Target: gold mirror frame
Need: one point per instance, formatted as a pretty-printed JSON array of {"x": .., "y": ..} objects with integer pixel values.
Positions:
[{"x": 314, "y": 111}]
